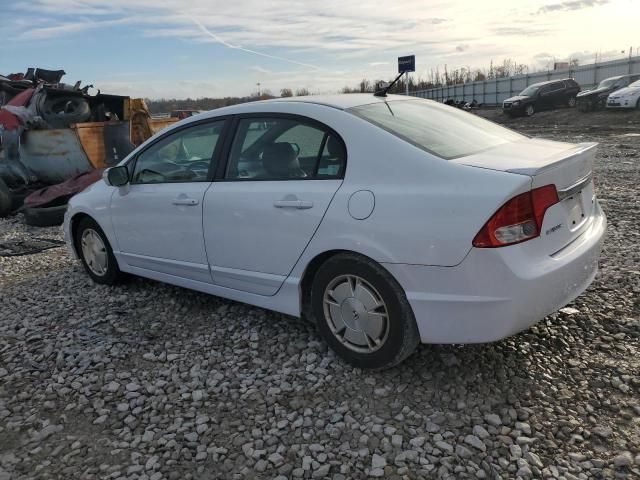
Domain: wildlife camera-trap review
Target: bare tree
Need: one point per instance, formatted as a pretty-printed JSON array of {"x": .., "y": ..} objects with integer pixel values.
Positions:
[
  {"x": 286, "y": 92},
  {"x": 302, "y": 92}
]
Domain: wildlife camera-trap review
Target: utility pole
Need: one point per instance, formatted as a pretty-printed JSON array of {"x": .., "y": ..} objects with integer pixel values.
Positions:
[{"x": 258, "y": 84}]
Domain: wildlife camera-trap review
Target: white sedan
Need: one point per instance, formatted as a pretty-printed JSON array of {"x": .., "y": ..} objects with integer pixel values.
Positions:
[
  {"x": 628, "y": 97},
  {"x": 387, "y": 221}
]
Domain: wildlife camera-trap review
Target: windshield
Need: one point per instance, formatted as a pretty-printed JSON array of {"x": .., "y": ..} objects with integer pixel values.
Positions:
[
  {"x": 530, "y": 90},
  {"x": 608, "y": 82},
  {"x": 440, "y": 129}
]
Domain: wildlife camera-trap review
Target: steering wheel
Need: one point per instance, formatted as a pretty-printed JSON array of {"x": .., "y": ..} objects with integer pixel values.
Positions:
[
  {"x": 146, "y": 171},
  {"x": 201, "y": 164}
]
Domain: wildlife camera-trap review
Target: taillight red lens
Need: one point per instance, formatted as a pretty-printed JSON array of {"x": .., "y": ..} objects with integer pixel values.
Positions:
[{"x": 518, "y": 220}]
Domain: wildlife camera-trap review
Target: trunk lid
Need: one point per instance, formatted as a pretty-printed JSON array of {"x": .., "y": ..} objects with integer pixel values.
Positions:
[{"x": 568, "y": 166}]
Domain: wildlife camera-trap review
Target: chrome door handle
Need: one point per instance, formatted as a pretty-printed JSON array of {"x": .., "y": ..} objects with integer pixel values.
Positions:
[
  {"x": 185, "y": 201},
  {"x": 299, "y": 204}
]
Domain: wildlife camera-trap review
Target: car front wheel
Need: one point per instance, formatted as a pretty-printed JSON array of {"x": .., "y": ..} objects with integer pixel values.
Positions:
[
  {"x": 529, "y": 110},
  {"x": 363, "y": 313},
  {"x": 96, "y": 253}
]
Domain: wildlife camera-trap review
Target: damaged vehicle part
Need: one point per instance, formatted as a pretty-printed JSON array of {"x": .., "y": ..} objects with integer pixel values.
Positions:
[
  {"x": 16, "y": 248},
  {"x": 44, "y": 216},
  {"x": 46, "y": 207},
  {"x": 6, "y": 201},
  {"x": 51, "y": 132},
  {"x": 61, "y": 111}
]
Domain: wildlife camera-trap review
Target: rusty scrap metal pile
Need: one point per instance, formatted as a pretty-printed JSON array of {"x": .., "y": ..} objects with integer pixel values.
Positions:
[{"x": 57, "y": 134}]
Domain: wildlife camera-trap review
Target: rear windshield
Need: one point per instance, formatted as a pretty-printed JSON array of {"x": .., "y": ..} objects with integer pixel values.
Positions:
[{"x": 439, "y": 129}]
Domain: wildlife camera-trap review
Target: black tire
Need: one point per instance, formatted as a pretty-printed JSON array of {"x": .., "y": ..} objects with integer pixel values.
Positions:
[
  {"x": 401, "y": 332},
  {"x": 6, "y": 199},
  {"x": 44, "y": 216},
  {"x": 63, "y": 111},
  {"x": 571, "y": 102},
  {"x": 112, "y": 274},
  {"x": 17, "y": 198},
  {"x": 638, "y": 104},
  {"x": 529, "y": 110}
]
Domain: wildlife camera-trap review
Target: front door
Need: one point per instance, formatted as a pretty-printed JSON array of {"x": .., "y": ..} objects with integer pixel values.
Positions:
[
  {"x": 281, "y": 175},
  {"x": 157, "y": 217}
]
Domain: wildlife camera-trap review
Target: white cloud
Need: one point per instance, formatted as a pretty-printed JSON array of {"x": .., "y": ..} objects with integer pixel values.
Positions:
[{"x": 326, "y": 44}]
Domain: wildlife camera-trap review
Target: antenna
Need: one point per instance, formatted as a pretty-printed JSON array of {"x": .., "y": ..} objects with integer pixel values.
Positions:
[{"x": 383, "y": 91}]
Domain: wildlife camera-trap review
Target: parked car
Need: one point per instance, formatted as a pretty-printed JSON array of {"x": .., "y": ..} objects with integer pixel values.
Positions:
[
  {"x": 588, "y": 100},
  {"x": 182, "y": 114},
  {"x": 542, "y": 96},
  {"x": 385, "y": 220},
  {"x": 628, "y": 97}
]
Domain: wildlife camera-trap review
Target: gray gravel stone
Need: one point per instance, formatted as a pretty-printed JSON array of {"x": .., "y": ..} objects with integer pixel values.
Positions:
[
  {"x": 377, "y": 461},
  {"x": 96, "y": 381},
  {"x": 625, "y": 459}
]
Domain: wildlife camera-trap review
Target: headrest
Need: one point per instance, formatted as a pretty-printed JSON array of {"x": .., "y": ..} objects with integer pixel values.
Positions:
[
  {"x": 280, "y": 160},
  {"x": 334, "y": 146}
]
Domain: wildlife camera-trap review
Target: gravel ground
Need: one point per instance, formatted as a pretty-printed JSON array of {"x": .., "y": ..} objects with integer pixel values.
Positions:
[{"x": 149, "y": 381}]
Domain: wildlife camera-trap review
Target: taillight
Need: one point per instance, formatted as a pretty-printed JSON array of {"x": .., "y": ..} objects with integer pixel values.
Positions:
[{"x": 518, "y": 220}]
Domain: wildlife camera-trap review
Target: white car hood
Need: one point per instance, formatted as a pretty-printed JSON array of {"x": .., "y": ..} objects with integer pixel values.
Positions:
[{"x": 624, "y": 92}]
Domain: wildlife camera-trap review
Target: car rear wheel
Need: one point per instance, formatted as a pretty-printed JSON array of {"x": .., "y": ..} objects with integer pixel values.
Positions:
[
  {"x": 571, "y": 102},
  {"x": 96, "y": 253},
  {"x": 638, "y": 103},
  {"x": 529, "y": 110},
  {"x": 362, "y": 312}
]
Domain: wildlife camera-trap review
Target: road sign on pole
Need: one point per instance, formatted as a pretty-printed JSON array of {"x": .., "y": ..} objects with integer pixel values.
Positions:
[{"x": 405, "y": 65}]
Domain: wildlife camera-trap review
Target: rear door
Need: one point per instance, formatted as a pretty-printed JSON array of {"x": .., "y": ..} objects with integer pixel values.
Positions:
[
  {"x": 281, "y": 175},
  {"x": 545, "y": 98},
  {"x": 557, "y": 94}
]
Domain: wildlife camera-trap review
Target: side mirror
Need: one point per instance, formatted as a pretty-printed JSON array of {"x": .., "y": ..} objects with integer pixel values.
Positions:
[{"x": 116, "y": 176}]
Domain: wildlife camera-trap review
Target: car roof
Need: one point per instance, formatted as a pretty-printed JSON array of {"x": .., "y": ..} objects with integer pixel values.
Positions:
[
  {"x": 343, "y": 101},
  {"x": 552, "y": 81}
]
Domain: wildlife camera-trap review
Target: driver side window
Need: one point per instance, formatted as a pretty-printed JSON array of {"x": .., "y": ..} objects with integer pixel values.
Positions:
[{"x": 184, "y": 156}]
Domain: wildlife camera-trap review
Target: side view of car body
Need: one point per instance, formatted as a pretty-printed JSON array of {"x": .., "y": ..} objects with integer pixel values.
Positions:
[
  {"x": 628, "y": 97},
  {"x": 542, "y": 96},
  {"x": 385, "y": 221},
  {"x": 588, "y": 100}
]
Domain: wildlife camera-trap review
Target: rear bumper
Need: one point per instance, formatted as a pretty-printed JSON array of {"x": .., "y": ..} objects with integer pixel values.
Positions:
[{"x": 495, "y": 293}]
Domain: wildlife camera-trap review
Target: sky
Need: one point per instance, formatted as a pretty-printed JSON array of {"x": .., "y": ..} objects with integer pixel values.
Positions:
[{"x": 210, "y": 48}]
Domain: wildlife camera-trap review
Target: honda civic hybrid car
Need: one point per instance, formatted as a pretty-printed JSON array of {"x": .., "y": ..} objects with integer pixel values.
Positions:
[
  {"x": 386, "y": 221},
  {"x": 628, "y": 97}
]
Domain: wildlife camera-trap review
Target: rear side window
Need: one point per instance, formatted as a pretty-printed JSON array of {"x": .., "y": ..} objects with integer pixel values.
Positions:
[
  {"x": 285, "y": 149},
  {"x": 439, "y": 129}
]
